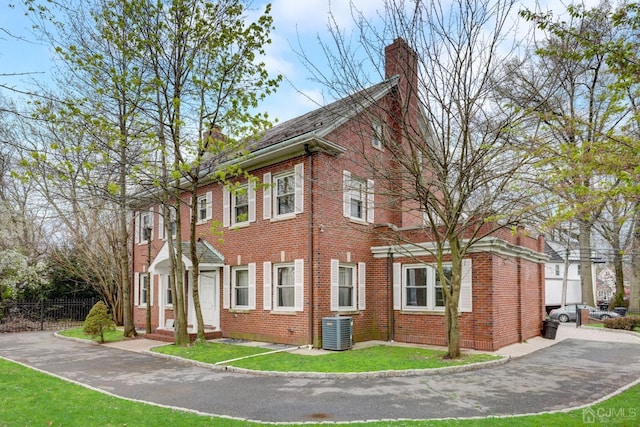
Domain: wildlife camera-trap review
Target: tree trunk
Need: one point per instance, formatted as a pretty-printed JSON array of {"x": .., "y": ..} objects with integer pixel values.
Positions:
[
  {"x": 586, "y": 278},
  {"x": 452, "y": 296},
  {"x": 127, "y": 307},
  {"x": 178, "y": 285}
]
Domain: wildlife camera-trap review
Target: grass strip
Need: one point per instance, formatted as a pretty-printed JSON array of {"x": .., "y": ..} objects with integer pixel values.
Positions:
[{"x": 376, "y": 358}]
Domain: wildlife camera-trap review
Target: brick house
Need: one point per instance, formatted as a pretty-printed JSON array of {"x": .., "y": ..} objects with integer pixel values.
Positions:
[{"x": 308, "y": 245}]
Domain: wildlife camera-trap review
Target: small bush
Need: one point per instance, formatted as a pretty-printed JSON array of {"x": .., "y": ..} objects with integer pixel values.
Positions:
[
  {"x": 98, "y": 321},
  {"x": 627, "y": 323}
]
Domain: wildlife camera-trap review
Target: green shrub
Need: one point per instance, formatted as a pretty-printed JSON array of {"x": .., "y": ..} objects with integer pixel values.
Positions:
[
  {"x": 627, "y": 323},
  {"x": 98, "y": 321}
]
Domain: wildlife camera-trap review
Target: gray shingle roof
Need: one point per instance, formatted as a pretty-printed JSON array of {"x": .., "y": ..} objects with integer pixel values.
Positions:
[
  {"x": 324, "y": 119},
  {"x": 206, "y": 254}
]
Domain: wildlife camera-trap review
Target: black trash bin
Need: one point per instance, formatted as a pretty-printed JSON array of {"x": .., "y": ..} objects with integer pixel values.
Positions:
[{"x": 549, "y": 328}]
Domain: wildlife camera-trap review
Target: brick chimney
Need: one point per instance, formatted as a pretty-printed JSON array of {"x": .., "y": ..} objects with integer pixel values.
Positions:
[{"x": 402, "y": 60}]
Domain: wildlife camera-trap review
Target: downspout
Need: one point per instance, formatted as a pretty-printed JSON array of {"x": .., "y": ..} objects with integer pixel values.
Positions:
[
  {"x": 310, "y": 239},
  {"x": 392, "y": 326},
  {"x": 133, "y": 257}
]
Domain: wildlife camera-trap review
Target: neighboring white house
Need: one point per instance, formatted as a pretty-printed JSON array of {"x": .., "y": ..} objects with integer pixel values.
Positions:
[{"x": 554, "y": 275}]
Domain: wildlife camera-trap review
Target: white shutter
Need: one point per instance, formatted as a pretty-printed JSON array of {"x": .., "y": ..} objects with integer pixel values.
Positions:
[
  {"x": 138, "y": 226},
  {"x": 362, "y": 295},
  {"x": 266, "y": 196},
  {"x": 298, "y": 273},
  {"x": 161, "y": 230},
  {"x": 370, "y": 207},
  {"x": 465, "y": 302},
  {"x": 209, "y": 197},
  {"x": 251, "y": 194},
  {"x": 252, "y": 285},
  {"x": 335, "y": 285},
  {"x": 397, "y": 286},
  {"x": 266, "y": 285},
  {"x": 226, "y": 287},
  {"x": 136, "y": 289},
  {"x": 346, "y": 183},
  {"x": 299, "y": 191},
  {"x": 226, "y": 206}
]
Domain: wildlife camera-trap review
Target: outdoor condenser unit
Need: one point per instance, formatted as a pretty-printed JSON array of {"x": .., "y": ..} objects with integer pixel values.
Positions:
[{"x": 337, "y": 333}]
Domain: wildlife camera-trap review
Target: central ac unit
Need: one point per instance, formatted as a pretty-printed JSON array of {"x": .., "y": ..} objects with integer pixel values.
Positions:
[{"x": 337, "y": 333}]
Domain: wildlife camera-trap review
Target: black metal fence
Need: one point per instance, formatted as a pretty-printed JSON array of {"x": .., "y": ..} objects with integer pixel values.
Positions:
[{"x": 43, "y": 315}]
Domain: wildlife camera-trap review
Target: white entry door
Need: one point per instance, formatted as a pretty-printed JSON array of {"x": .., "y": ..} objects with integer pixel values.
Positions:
[{"x": 209, "y": 298}]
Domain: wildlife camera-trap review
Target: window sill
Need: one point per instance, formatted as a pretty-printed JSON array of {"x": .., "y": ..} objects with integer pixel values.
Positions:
[
  {"x": 422, "y": 311},
  {"x": 240, "y": 225},
  {"x": 282, "y": 217},
  {"x": 285, "y": 312},
  {"x": 357, "y": 220},
  {"x": 347, "y": 311},
  {"x": 203, "y": 221},
  {"x": 241, "y": 310}
]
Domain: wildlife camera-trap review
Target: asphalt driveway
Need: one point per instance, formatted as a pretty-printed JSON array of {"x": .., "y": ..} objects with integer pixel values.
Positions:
[{"x": 568, "y": 374}]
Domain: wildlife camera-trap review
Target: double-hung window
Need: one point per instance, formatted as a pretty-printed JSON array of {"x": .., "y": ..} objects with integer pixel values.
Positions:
[
  {"x": 142, "y": 289},
  {"x": 376, "y": 130},
  {"x": 168, "y": 291},
  {"x": 240, "y": 287},
  {"x": 347, "y": 286},
  {"x": 358, "y": 198},
  {"x": 285, "y": 286},
  {"x": 239, "y": 204},
  {"x": 283, "y": 193},
  {"x": 144, "y": 232},
  {"x": 172, "y": 222},
  {"x": 145, "y": 280},
  {"x": 204, "y": 208}
]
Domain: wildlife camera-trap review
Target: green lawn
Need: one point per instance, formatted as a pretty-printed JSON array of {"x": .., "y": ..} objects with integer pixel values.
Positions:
[
  {"x": 376, "y": 358},
  {"x": 31, "y": 398}
]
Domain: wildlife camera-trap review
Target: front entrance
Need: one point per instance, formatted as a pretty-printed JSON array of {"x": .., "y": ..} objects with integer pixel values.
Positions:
[{"x": 208, "y": 298}]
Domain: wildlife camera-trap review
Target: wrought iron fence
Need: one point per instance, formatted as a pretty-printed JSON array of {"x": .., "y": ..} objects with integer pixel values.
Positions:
[{"x": 43, "y": 315}]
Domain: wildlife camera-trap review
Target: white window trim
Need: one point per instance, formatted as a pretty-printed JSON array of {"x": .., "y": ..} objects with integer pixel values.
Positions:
[
  {"x": 430, "y": 288},
  {"x": 251, "y": 287},
  {"x": 298, "y": 285},
  {"x": 367, "y": 202},
  {"x": 165, "y": 289},
  {"x": 270, "y": 199},
  {"x": 229, "y": 205},
  {"x": 376, "y": 135},
  {"x": 139, "y": 233},
  {"x": 161, "y": 223},
  {"x": 208, "y": 199},
  {"x": 465, "y": 303},
  {"x": 359, "y": 286}
]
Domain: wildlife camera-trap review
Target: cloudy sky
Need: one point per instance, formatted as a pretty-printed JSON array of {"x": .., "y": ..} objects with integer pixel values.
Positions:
[{"x": 299, "y": 24}]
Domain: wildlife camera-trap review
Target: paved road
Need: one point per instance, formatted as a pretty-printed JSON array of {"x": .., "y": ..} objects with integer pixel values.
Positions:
[{"x": 568, "y": 374}]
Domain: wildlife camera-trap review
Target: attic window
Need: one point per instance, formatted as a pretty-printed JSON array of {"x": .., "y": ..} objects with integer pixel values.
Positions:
[{"x": 376, "y": 131}]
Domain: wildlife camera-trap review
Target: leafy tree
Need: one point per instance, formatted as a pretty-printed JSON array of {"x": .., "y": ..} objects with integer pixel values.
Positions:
[
  {"x": 455, "y": 165},
  {"x": 206, "y": 77},
  {"x": 98, "y": 321},
  {"x": 571, "y": 91}
]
